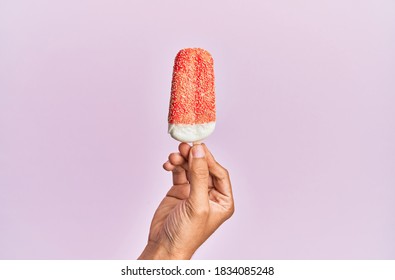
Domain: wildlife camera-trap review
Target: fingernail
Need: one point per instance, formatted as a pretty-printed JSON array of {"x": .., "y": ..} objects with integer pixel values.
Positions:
[{"x": 198, "y": 151}]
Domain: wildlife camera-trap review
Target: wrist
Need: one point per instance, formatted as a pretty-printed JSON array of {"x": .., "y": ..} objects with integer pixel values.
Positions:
[{"x": 156, "y": 251}]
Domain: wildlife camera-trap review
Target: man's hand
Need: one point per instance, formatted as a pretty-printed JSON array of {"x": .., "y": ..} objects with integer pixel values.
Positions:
[{"x": 199, "y": 201}]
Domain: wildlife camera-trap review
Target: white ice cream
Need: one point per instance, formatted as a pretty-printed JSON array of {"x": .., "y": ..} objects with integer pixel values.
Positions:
[{"x": 191, "y": 132}]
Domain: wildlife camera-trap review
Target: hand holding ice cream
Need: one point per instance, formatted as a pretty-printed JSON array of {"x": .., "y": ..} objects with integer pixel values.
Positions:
[
  {"x": 199, "y": 201},
  {"x": 201, "y": 198}
]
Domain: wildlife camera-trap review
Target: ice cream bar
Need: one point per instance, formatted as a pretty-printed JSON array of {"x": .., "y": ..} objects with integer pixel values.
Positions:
[{"x": 192, "y": 102}]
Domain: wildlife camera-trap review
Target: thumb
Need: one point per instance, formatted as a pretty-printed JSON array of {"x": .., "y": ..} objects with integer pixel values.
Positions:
[{"x": 198, "y": 177}]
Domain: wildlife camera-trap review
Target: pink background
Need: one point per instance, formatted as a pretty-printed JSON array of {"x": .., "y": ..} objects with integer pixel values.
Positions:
[{"x": 306, "y": 125}]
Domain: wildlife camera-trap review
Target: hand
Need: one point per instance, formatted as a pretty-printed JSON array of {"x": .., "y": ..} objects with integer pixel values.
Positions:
[{"x": 199, "y": 201}]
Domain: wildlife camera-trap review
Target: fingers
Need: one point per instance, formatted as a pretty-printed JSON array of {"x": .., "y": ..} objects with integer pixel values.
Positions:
[
  {"x": 219, "y": 173},
  {"x": 198, "y": 177},
  {"x": 179, "y": 176},
  {"x": 178, "y": 172},
  {"x": 184, "y": 149},
  {"x": 168, "y": 166},
  {"x": 177, "y": 159},
  {"x": 177, "y": 165}
]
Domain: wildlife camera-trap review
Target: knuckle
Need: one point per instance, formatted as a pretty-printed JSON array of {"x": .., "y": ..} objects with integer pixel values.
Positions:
[
  {"x": 223, "y": 173},
  {"x": 230, "y": 210}
]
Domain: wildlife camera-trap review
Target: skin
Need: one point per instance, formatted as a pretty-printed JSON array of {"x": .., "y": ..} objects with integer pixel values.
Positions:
[{"x": 199, "y": 201}]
